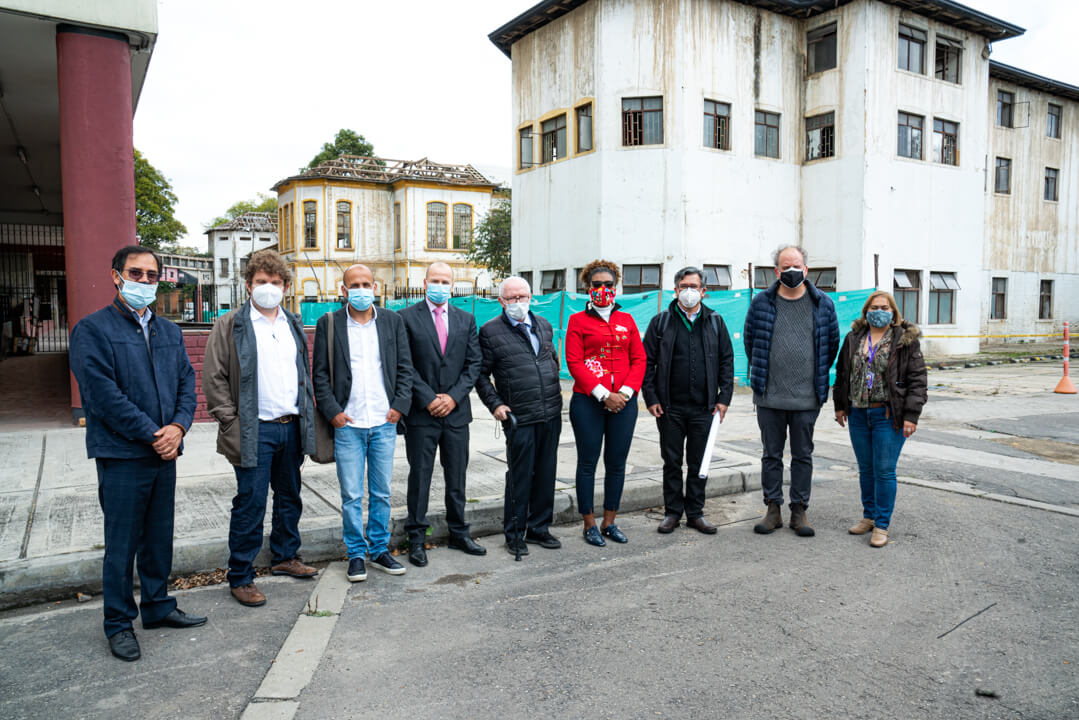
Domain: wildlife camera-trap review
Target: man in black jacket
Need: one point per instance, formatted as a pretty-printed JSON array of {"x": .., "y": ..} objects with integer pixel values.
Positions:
[
  {"x": 518, "y": 350},
  {"x": 689, "y": 378},
  {"x": 446, "y": 362}
]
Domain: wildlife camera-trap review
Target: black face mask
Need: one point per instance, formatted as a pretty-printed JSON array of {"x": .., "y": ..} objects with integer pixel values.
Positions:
[{"x": 792, "y": 278}]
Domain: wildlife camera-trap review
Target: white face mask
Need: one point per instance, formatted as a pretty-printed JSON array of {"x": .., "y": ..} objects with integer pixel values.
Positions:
[
  {"x": 267, "y": 296},
  {"x": 518, "y": 310},
  {"x": 689, "y": 297}
]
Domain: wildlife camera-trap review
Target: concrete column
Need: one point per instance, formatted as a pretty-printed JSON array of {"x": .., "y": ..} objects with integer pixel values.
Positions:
[{"x": 96, "y": 163}]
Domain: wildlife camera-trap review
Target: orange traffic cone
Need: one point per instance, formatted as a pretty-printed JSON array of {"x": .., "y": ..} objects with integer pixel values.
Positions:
[{"x": 1065, "y": 386}]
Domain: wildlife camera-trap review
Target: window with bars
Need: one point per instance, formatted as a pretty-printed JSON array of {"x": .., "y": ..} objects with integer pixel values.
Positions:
[
  {"x": 1005, "y": 106},
  {"x": 640, "y": 278},
  {"x": 946, "y": 142},
  {"x": 942, "y": 287},
  {"x": 907, "y": 286},
  {"x": 912, "y": 49},
  {"x": 462, "y": 226},
  {"x": 717, "y": 125},
  {"x": 763, "y": 277},
  {"x": 524, "y": 148},
  {"x": 820, "y": 136},
  {"x": 948, "y": 56},
  {"x": 1003, "y": 176},
  {"x": 910, "y": 135},
  {"x": 717, "y": 277},
  {"x": 436, "y": 225},
  {"x": 223, "y": 272},
  {"x": 584, "y": 128},
  {"x": 289, "y": 239},
  {"x": 1052, "y": 120},
  {"x": 1045, "y": 300},
  {"x": 344, "y": 225},
  {"x": 642, "y": 121},
  {"x": 766, "y": 134},
  {"x": 1052, "y": 178},
  {"x": 998, "y": 306},
  {"x": 823, "y": 279},
  {"x": 821, "y": 48},
  {"x": 551, "y": 281},
  {"x": 310, "y": 224},
  {"x": 553, "y": 138},
  {"x": 397, "y": 226}
]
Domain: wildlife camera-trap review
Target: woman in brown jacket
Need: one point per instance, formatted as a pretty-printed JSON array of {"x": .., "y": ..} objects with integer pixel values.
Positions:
[{"x": 880, "y": 387}]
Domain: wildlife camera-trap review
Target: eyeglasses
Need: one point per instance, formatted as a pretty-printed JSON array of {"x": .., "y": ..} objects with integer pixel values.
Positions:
[
  {"x": 136, "y": 274},
  {"x": 603, "y": 283},
  {"x": 517, "y": 298}
]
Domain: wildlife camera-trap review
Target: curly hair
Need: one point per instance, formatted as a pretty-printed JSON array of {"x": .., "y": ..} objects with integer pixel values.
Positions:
[
  {"x": 269, "y": 262},
  {"x": 599, "y": 266}
]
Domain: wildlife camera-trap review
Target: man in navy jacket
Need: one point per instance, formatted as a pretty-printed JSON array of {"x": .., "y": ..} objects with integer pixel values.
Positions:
[{"x": 138, "y": 393}]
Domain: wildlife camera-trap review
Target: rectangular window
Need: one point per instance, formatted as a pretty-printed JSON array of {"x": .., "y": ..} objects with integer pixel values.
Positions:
[
  {"x": 554, "y": 138},
  {"x": 823, "y": 279},
  {"x": 642, "y": 121},
  {"x": 224, "y": 271},
  {"x": 907, "y": 285},
  {"x": 763, "y": 277},
  {"x": 1052, "y": 191},
  {"x": 310, "y": 226},
  {"x": 584, "y": 128},
  {"x": 436, "y": 225},
  {"x": 820, "y": 48},
  {"x": 1005, "y": 103},
  {"x": 551, "y": 281},
  {"x": 344, "y": 226},
  {"x": 397, "y": 226},
  {"x": 640, "y": 278},
  {"x": 717, "y": 277},
  {"x": 1052, "y": 121},
  {"x": 462, "y": 226},
  {"x": 525, "y": 148},
  {"x": 820, "y": 136},
  {"x": 287, "y": 235},
  {"x": 946, "y": 142},
  {"x": 527, "y": 277},
  {"x": 1003, "y": 181},
  {"x": 582, "y": 286},
  {"x": 910, "y": 135},
  {"x": 942, "y": 287},
  {"x": 912, "y": 49},
  {"x": 717, "y": 125},
  {"x": 949, "y": 53},
  {"x": 998, "y": 307},
  {"x": 766, "y": 134},
  {"x": 1045, "y": 300}
]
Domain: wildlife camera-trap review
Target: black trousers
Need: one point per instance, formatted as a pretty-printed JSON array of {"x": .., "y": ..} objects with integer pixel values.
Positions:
[
  {"x": 775, "y": 425},
  {"x": 137, "y": 498},
  {"x": 683, "y": 431},
  {"x": 421, "y": 441},
  {"x": 532, "y": 451}
]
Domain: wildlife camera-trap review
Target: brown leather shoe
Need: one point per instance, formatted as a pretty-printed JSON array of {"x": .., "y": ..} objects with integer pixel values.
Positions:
[
  {"x": 670, "y": 522},
  {"x": 701, "y": 525},
  {"x": 249, "y": 595},
  {"x": 799, "y": 523},
  {"x": 864, "y": 525},
  {"x": 772, "y": 519},
  {"x": 879, "y": 538},
  {"x": 294, "y": 568}
]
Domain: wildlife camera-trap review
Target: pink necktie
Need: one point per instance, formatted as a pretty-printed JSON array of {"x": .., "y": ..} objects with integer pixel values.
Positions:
[{"x": 440, "y": 327}]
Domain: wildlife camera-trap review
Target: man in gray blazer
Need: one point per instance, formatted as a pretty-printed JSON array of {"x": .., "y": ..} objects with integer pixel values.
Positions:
[
  {"x": 370, "y": 390},
  {"x": 446, "y": 358}
]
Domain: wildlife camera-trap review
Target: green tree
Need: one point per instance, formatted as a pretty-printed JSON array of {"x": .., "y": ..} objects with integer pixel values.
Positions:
[
  {"x": 490, "y": 246},
  {"x": 154, "y": 206},
  {"x": 263, "y": 203},
  {"x": 345, "y": 142}
]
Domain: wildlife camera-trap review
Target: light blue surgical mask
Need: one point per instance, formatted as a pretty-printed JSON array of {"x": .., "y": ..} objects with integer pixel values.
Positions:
[
  {"x": 438, "y": 293},
  {"x": 879, "y": 318},
  {"x": 361, "y": 298},
  {"x": 138, "y": 295}
]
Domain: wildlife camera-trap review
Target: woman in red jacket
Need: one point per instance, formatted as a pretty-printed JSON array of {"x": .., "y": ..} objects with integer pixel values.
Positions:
[{"x": 606, "y": 358}]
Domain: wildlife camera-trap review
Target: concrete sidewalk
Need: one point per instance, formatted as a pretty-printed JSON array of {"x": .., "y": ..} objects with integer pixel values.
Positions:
[{"x": 51, "y": 524}]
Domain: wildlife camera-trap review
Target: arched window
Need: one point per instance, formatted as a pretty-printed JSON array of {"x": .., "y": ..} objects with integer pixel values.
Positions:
[
  {"x": 436, "y": 225},
  {"x": 462, "y": 226}
]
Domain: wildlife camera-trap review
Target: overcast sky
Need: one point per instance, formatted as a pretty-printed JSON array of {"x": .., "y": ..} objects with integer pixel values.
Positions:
[{"x": 242, "y": 93}]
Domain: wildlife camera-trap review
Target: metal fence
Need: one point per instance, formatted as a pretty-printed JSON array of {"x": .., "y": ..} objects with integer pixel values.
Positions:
[{"x": 33, "y": 289}]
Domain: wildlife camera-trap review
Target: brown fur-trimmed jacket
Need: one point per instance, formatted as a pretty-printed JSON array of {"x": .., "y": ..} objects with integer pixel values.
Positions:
[{"x": 907, "y": 386}]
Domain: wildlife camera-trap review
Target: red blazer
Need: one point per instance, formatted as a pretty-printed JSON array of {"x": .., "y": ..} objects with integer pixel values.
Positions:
[{"x": 601, "y": 353}]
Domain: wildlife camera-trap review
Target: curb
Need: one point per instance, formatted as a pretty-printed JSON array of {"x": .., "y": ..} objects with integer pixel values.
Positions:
[{"x": 33, "y": 580}]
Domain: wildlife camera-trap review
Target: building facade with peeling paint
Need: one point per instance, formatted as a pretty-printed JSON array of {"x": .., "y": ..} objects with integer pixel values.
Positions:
[
  {"x": 397, "y": 217},
  {"x": 665, "y": 133}
]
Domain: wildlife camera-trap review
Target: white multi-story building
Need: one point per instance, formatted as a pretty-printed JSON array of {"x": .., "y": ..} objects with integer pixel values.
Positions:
[
  {"x": 665, "y": 133},
  {"x": 231, "y": 244}
]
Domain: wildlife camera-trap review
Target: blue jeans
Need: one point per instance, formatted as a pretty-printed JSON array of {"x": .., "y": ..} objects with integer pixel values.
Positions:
[
  {"x": 373, "y": 448},
  {"x": 595, "y": 428},
  {"x": 877, "y": 445}
]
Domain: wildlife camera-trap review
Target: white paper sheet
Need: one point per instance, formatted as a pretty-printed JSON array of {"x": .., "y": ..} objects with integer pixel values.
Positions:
[{"x": 709, "y": 447}]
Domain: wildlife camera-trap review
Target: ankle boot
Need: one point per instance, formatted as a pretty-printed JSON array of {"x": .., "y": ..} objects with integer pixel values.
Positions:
[
  {"x": 799, "y": 523},
  {"x": 772, "y": 520}
]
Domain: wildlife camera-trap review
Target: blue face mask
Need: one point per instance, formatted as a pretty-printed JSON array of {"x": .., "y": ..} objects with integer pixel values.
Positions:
[
  {"x": 879, "y": 318},
  {"x": 138, "y": 295},
  {"x": 438, "y": 293},
  {"x": 361, "y": 298}
]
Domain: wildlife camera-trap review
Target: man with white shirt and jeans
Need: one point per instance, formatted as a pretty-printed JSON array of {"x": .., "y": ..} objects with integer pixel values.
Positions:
[
  {"x": 258, "y": 387},
  {"x": 364, "y": 397}
]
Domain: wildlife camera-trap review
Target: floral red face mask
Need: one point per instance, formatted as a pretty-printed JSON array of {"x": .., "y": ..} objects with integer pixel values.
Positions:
[{"x": 602, "y": 296}]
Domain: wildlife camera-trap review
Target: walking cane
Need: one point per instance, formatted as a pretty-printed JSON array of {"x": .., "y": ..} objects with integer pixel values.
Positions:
[{"x": 511, "y": 431}]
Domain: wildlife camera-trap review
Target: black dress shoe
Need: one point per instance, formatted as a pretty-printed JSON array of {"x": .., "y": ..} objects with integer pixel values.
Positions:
[
  {"x": 124, "y": 645},
  {"x": 670, "y": 522},
  {"x": 513, "y": 546},
  {"x": 701, "y": 525},
  {"x": 177, "y": 619},
  {"x": 544, "y": 540},
  {"x": 417, "y": 554},
  {"x": 467, "y": 545}
]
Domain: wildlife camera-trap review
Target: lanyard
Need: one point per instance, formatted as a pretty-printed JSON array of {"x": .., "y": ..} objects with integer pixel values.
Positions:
[{"x": 869, "y": 375}]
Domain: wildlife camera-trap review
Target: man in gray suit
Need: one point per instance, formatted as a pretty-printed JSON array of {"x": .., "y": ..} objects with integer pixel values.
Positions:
[
  {"x": 370, "y": 389},
  {"x": 446, "y": 358}
]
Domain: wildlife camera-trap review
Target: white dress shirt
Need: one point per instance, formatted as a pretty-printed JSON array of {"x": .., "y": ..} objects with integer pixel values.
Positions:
[
  {"x": 367, "y": 401},
  {"x": 278, "y": 378}
]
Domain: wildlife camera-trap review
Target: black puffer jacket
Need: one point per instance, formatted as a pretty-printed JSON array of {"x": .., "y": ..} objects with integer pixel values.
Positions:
[
  {"x": 907, "y": 380},
  {"x": 526, "y": 382}
]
